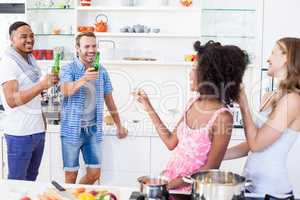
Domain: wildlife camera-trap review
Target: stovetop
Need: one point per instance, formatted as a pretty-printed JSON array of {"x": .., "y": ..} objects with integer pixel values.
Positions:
[{"x": 139, "y": 196}]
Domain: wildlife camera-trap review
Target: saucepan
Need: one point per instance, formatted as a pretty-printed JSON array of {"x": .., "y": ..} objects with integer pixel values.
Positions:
[
  {"x": 153, "y": 187},
  {"x": 217, "y": 184}
]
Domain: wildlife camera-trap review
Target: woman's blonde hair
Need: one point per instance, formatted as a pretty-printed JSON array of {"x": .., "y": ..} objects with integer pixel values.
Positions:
[{"x": 291, "y": 84}]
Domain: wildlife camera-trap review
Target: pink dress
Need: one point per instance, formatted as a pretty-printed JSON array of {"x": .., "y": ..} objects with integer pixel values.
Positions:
[{"x": 192, "y": 149}]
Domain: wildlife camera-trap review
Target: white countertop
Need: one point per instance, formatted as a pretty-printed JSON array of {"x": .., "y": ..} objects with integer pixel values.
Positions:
[
  {"x": 142, "y": 130},
  {"x": 13, "y": 190},
  {"x": 136, "y": 130}
]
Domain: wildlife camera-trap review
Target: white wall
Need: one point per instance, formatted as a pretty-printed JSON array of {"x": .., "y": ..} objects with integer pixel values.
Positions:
[{"x": 281, "y": 19}]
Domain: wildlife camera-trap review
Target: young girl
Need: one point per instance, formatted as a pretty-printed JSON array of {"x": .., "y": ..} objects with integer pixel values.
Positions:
[
  {"x": 201, "y": 136},
  {"x": 277, "y": 127}
]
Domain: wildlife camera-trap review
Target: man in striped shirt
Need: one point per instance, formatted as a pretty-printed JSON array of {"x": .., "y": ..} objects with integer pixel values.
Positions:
[{"x": 84, "y": 93}]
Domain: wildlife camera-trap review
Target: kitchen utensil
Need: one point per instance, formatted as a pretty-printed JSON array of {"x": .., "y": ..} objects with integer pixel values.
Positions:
[
  {"x": 138, "y": 28},
  {"x": 216, "y": 184},
  {"x": 129, "y": 2},
  {"x": 56, "y": 31},
  {"x": 42, "y": 53},
  {"x": 81, "y": 29},
  {"x": 38, "y": 54},
  {"x": 90, "y": 29},
  {"x": 85, "y": 2},
  {"x": 101, "y": 23},
  {"x": 85, "y": 29},
  {"x": 186, "y": 3},
  {"x": 124, "y": 29},
  {"x": 62, "y": 192},
  {"x": 107, "y": 49},
  {"x": 48, "y": 54},
  {"x": 155, "y": 30},
  {"x": 146, "y": 29},
  {"x": 153, "y": 187},
  {"x": 130, "y": 30}
]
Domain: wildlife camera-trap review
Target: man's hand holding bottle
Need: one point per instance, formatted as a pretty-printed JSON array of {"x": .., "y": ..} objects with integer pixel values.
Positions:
[{"x": 49, "y": 80}]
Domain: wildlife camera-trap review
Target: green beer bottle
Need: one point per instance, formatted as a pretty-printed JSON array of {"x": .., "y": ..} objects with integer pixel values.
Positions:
[
  {"x": 96, "y": 62},
  {"x": 56, "y": 67}
]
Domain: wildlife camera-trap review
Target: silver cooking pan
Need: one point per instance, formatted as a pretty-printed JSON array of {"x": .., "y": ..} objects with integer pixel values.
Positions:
[{"x": 216, "y": 185}]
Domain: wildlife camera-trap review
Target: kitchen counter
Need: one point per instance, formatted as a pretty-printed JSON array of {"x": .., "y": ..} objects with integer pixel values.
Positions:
[
  {"x": 14, "y": 190},
  {"x": 141, "y": 129}
]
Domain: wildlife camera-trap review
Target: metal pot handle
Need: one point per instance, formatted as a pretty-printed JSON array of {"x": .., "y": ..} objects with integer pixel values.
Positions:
[
  {"x": 248, "y": 183},
  {"x": 188, "y": 179},
  {"x": 269, "y": 197}
]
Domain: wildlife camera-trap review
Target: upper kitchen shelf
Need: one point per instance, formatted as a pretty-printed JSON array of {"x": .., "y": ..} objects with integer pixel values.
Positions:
[
  {"x": 56, "y": 9},
  {"x": 229, "y": 36},
  {"x": 161, "y": 9},
  {"x": 131, "y": 8},
  {"x": 161, "y": 35},
  {"x": 147, "y": 35},
  {"x": 61, "y": 34},
  {"x": 228, "y": 9}
]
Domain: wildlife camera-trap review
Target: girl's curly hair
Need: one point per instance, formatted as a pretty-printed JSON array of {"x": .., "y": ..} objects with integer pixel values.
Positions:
[{"x": 220, "y": 70}]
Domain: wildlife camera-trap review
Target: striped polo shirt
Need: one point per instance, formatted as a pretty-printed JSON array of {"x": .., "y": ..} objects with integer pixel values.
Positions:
[{"x": 73, "y": 106}]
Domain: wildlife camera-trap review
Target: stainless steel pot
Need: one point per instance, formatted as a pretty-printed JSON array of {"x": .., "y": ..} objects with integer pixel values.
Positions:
[
  {"x": 216, "y": 185},
  {"x": 153, "y": 187}
]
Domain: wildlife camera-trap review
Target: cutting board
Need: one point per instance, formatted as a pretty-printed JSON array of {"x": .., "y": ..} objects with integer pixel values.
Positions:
[{"x": 52, "y": 192}]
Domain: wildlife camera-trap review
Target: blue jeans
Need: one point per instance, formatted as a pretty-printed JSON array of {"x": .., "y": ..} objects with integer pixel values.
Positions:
[
  {"x": 24, "y": 155},
  {"x": 91, "y": 150}
]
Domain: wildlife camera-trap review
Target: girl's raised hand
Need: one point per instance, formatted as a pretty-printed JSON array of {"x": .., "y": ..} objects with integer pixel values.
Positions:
[{"x": 142, "y": 98}]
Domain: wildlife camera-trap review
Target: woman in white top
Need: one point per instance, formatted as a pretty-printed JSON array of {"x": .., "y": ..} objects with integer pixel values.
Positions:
[{"x": 276, "y": 127}]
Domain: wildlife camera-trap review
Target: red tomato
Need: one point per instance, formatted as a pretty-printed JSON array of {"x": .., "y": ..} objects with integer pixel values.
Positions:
[{"x": 25, "y": 198}]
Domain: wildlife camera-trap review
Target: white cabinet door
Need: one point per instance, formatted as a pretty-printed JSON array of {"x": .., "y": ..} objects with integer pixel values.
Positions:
[
  {"x": 125, "y": 160},
  {"x": 236, "y": 165},
  {"x": 56, "y": 163},
  {"x": 44, "y": 170},
  {"x": 160, "y": 156},
  {"x": 130, "y": 154},
  {"x": 120, "y": 178}
]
